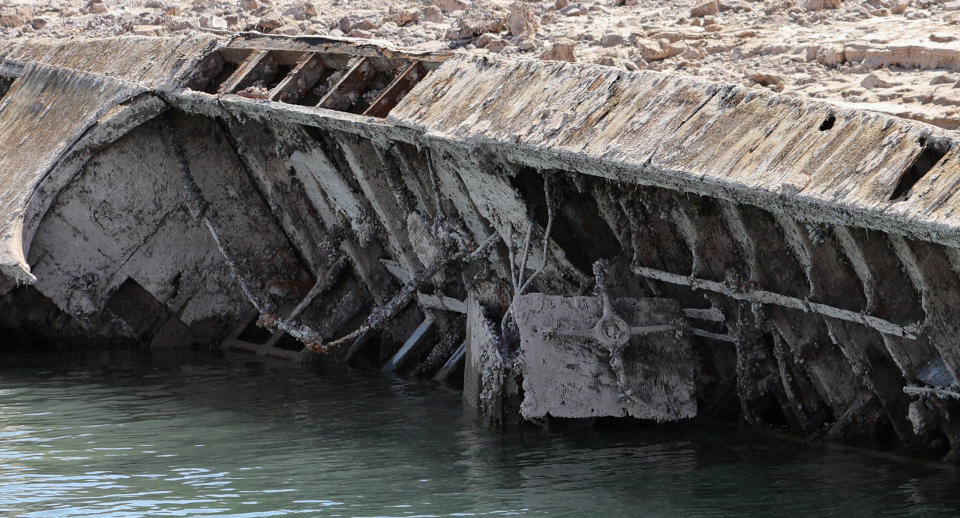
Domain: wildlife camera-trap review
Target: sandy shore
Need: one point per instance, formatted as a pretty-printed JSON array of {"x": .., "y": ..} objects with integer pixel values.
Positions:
[{"x": 896, "y": 56}]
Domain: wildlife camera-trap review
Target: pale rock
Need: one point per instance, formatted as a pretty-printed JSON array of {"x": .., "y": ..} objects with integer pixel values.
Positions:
[
  {"x": 450, "y": 5},
  {"x": 491, "y": 42},
  {"x": 706, "y": 8},
  {"x": 522, "y": 19},
  {"x": 431, "y": 14},
  {"x": 573, "y": 10},
  {"x": 771, "y": 81},
  {"x": 401, "y": 16},
  {"x": 690, "y": 53},
  {"x": 365, "y": 25},
  {"x": 525, "y": 44},
  {"x": 268, "y": 23},
  {"x": 612, "y": 40},
  {"x": 476, "y": 21},
  {"x": 658, "y": 50},
  {"x": 96, "y": 8},
  {"x": 180, "y": 24},
  {"x": 484, "y": 39},
  {"x": 560, "y": 51},
  {"x": 216, "y": 22},
  {"x": 148, "y": 30},
  {"x": 831, "y": 56},
  {"x": 818, "y": 5},
  {"x": 302, "y": 11},
  {"x": 942, "y": 79},
  {"x": 360, "y": 33},
  {"x": 16, "y": 16},
  {"x": 498, "y": 46},
  {"x": 879, "y": 80}
]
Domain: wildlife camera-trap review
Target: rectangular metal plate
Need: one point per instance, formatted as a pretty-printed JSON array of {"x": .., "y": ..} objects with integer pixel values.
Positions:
[{"x": 571, "y": 376}]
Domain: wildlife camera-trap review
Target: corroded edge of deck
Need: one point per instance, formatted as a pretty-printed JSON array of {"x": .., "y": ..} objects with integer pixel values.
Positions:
[{"x": 726, "y": 141}]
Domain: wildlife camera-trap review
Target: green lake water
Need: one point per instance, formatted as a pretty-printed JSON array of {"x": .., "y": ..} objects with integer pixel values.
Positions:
[{"x": 132, "y": 435}]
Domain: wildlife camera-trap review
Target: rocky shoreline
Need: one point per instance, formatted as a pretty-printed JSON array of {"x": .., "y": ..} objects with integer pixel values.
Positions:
[{"x": 899, "y": 57}]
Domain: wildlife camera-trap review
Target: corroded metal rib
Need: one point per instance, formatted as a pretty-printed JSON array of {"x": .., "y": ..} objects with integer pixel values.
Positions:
[{"x": 767, "y": 297}]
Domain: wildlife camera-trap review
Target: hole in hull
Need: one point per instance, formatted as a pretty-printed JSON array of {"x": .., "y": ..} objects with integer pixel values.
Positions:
[{"x": 930, "y": 155}]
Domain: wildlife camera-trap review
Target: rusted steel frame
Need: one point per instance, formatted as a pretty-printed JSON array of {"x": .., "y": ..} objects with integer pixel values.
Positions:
[
  {"x": 320, "y": 287},
  {"x": 395, "y": 91},
  {"x": 384, "y": 313},
  {"x": 350, "y": 86},
  {"x": 910, "y": 331},
  {"x": 249, "y": 65},
  {"x": 309, "y": 69},
  {"x": 332, "y": 45}
]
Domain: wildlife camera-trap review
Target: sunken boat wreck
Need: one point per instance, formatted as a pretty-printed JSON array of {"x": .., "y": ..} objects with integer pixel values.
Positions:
[{"x": 564, "y": 240}]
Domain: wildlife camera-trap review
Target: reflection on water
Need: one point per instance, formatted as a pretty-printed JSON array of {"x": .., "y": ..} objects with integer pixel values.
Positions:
[{"x": 239, "y": 437}]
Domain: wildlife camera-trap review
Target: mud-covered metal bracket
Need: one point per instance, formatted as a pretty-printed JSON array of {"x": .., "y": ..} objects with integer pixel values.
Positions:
[{"x": 597, "y": 356}]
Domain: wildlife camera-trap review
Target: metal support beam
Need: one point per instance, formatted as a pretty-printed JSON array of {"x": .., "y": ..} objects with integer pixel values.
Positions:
[
  {"x": 451, "y": 363},
  {"x": 766, "y": 297},
  {"x": 408, "y": 346}
]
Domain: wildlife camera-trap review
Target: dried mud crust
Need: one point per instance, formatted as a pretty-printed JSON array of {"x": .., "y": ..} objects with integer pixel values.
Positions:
[{"x": 895, "y": 56}]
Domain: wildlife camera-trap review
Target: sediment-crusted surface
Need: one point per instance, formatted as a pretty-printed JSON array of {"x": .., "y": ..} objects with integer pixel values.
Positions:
[{"x": 811, "y": 250}]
